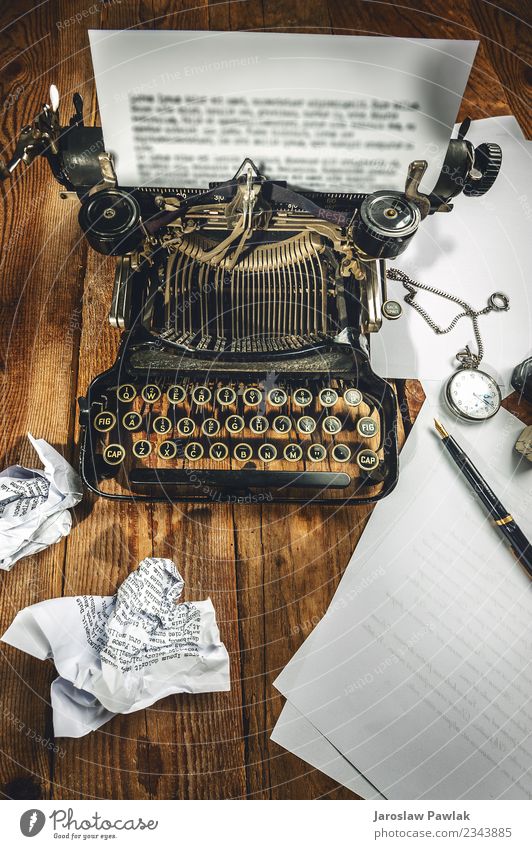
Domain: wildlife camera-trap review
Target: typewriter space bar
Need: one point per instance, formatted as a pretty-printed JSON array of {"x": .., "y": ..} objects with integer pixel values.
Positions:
[{"x": 239, "y": 479}]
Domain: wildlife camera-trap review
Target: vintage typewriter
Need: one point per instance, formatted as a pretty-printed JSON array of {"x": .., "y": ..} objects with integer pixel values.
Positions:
[{"x": 243, "y": 370}]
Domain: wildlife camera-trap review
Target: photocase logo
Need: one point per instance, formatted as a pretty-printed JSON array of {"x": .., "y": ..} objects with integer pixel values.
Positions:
[{"x": 32, "y": 822}]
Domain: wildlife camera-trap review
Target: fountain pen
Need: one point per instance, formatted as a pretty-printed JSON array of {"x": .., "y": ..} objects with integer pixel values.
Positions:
[{"x": 503, "y": 520}]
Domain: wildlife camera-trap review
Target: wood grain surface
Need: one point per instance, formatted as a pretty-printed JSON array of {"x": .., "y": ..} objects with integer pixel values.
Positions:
[{"x": 270, "y": 570}]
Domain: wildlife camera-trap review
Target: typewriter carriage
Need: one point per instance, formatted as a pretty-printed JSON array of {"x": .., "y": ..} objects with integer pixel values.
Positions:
[{"x": 227, "y": 286}]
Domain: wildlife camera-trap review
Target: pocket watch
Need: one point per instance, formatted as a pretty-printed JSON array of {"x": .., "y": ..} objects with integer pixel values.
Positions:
[{"x": 472, "y": 394}]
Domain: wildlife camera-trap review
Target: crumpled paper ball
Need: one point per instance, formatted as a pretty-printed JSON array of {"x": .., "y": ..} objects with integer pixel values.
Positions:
[
  {"x": 121, "y": 653},
  {"x": 34, "y": 504}
]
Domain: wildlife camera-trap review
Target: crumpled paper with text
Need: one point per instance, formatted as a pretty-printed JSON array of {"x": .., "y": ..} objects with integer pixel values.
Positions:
[
  {"x": 34, "y": 504},
  {"x": 121, "y": 653}
]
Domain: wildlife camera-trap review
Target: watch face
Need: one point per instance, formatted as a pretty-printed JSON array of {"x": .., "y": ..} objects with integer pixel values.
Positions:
[{"x": 473, "y": 394}]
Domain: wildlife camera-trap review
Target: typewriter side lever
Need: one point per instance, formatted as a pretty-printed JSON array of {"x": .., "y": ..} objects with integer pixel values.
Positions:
[
  {"x": 40, "y": 138},
  {"x": 71, "y": 151}
]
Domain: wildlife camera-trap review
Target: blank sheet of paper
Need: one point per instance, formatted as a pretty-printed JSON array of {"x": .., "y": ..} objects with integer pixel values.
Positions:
[
  {"x": 482, "y": 246},
  {"x": 420, "y": 672},
  {"x": 339, "y": 113},
  {"x": 294, "y": 732}
]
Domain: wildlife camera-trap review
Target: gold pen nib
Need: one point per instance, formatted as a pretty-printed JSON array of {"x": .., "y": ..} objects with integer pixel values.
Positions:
[{"x": 440, "y": 428}]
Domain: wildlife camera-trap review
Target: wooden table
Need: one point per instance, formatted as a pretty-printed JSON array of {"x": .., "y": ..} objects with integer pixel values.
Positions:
[{"x": 271, "y": 571}]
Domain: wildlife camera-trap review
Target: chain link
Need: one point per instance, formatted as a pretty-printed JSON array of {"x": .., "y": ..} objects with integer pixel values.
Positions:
[{"x": 466, "y": 357}]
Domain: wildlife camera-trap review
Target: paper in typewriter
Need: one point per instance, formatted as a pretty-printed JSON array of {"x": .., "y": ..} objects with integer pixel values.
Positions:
[
  {"x": 334, "y": 113},
  {"x": 419, "y": 674}
]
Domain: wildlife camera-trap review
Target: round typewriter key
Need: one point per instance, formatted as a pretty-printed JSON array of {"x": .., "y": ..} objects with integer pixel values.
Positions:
[
  {"x": 132, "y": 421},
  {"x": 367, "y": 427},
  {"x": 126, "y": 392},
  {"x": 243, "y": 452},
  {"x": 226, "y": 395},
  {"x": 162, "y": 424},
  {"x": 252, "y": 396},
  {"x": 353, "y": 397},
  {"x": 193, "y": 451},
  {"x": 267, "y": 452},
  {"x": 367, "y": 460},
  {"x": 234, "y": 424},
  {"x": 332, "y": 424},
  {"x": 167, "y": 450},
  {"x": 142, "y": 448},
  {"x": 277, "y": 397},
  {"x": 328, "y": 397},
  {"x": 175, "y": 394},
  {"x": 218, "y": 451},
  {"x": 392, "y": 310},
  {"x": 341, "y": 453},
  {"x": 317, "y": 453},
  {"x": 293, "y": 452},
  {"x": 302, "y": 397},
  {"x": 151, "y": 393},
  {"x": 186, "y": 426},
  {"x": 306, "y": 424},
  {"x": 282, "y": 424},
  {"x": 210, "y": 427},
  {"x": 104, "y": 421},
  {"x": 114, "y": 454},
  {"x": 201, "y": 395},
  {"x": 259, "y": 424}
]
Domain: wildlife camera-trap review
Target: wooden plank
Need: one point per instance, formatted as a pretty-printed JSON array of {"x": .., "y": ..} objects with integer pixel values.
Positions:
[
  {"x": 41, "y": 271},
  {"x": 289, "y": 560},
  {"x": 304, "y": 16},
  {"x": 246, "y": 16},
  {"x": 503, "y": 28},
  {"x": 219, "y": 15},
  {"x": 180, "y": 14},
  {"x": 109, "y": 542},
  {"x": 484, "y": 95},
  {"x": 201, "y": 737},
  {"x": 110, "y": 539},
  {"x": 198, "y": 739},
  {"x": 520, "y": 407}
]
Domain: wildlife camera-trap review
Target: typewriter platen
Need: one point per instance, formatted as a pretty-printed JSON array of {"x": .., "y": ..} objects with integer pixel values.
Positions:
[{"x": 243, "y": 371}]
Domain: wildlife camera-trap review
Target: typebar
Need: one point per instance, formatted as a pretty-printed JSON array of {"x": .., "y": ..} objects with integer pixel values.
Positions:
[{"x": 239, "y": 479}]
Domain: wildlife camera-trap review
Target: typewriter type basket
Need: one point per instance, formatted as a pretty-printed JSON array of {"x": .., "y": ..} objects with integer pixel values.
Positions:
[{"x": 277, "y": 298}]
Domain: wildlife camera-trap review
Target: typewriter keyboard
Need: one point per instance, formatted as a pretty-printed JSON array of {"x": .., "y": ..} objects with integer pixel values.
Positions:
[{"x": 324, "y": 435}]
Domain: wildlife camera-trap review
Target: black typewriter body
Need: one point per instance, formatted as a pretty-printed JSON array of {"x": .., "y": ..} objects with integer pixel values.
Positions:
[
  {"x": 243, "y": 372},
  {"x": 244, "y": 383}
]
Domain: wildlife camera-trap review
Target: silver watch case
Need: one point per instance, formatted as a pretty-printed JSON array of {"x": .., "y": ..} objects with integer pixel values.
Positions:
[{"x": 457, "y": 412}]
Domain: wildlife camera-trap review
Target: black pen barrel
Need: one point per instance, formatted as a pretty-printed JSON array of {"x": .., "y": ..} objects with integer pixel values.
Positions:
[
  {"x": 502, "y": 519},
  {"x": 475, "y": 479},
  {"x": 520, "y": 544}
]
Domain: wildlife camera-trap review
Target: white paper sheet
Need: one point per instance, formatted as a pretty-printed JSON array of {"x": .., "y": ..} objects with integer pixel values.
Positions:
[
  {"x": 338, "y": 113},
  {"x": 121, "y": 653},
  {"x": 34, "y": 504},
  {"x": 294, "y": 732},
  {"x": 420, "y": 671},
  {"x": 482, "y": 246}
]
